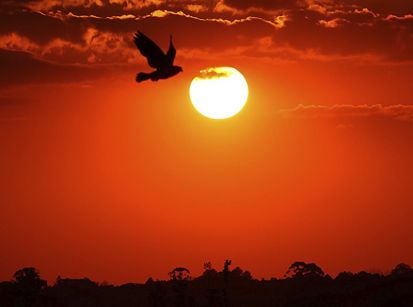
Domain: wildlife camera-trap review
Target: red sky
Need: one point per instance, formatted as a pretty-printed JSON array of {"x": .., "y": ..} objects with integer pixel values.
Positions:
[{"x": 118, "y": 181}]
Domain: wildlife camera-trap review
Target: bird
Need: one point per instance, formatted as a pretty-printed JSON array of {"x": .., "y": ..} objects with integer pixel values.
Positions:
[{"x": 163, "y": 63}]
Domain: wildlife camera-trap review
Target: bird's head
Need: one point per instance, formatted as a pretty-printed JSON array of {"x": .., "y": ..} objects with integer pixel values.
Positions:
[{"x": 177, "y": 69}]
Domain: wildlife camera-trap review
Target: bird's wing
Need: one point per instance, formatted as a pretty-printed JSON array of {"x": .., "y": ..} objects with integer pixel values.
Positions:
[
  {"x": 155, "y": 56},
  {"x": 171, "y": 53}
]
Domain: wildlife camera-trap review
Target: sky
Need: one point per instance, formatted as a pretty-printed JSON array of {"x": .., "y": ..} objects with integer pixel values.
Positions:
[{"x": 105, "y": 178}]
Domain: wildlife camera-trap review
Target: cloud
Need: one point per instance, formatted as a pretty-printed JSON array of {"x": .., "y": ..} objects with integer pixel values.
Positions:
[
  {"x": 223, "y": 7},
  {"x": 77, "y": 42},
  {"x": 96, "y": 47},
  {"x": 213, "y": 73},
  {"x": 18, "y": 67},
  {"x": 102, "y": 7},
  {"x": 96, "y": 32},
  {"x": 81, "y": 39},
  {"x": 394, "y": 17},
  {"x": 124, "y": 4},
  {"x": 165, "y": 13},
  {"x": 249, "y": 5},
  {"x": 196, "y": 8},
  {"x": 350, "y": 32},
  {"x": 333, "y": 23},
  {"x": 401, "y": 112},
  {"x": 383, "y": 7},
  {"x": 14, "y": 41}
]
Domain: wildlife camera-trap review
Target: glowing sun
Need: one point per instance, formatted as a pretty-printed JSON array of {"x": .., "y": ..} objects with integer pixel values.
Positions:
[{"x": 219, "y": 92}]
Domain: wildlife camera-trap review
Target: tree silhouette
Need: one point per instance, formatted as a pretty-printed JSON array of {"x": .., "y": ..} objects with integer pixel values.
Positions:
[
  {"x": 238, "y": 273},
  {"x": 301, "y": 269},
  {"x": 180, "y": 278},
  {"x": 28, "y": 285},
  {"x": 207, "y": 266},
  {"x": 180, "y": 274},
  {"x": 225, "y": 271},
  {"x": 306, "y": 285},
  {"x": 209, "y": 271},
  {"x": 402, "y": 269}
]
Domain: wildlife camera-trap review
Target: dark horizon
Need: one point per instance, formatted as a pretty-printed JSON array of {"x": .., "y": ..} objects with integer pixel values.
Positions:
[
  {"x": 209, "y": 265},
  {"x": 304, "y": 284},
  {"x": 263, "y": 131}
]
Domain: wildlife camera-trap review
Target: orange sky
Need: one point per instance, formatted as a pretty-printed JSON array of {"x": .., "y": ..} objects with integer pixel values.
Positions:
[{"x": 118, "y": 181}]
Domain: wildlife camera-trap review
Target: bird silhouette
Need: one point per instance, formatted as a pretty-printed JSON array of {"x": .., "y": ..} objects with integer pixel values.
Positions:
[{"x": 163, "y": 63}]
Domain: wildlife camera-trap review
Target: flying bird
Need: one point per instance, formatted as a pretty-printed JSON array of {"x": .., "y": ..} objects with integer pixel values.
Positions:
[{"x": 163, "y": 63}]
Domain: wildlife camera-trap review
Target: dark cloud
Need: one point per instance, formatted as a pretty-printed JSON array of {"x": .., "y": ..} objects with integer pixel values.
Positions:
[
  {"x": 88, "y": 33},
  {"x": 341, "y": 33},
  {"x": 351, "y": 33},
  {"x": 17, "y": 67},
  {"x": 263, "y": 4},
  {"x": 79, "y": 43},
  {"x": 119, "y": 7},
  {"x": 383, "y": 7},
  {"x": 39, "y": 27},
  {"x": 91, "y": 39},
  {"x": 107, "y": 8}
]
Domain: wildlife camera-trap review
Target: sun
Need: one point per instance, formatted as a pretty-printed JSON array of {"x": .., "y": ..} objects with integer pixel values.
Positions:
[{"x": 219, "y": 92}]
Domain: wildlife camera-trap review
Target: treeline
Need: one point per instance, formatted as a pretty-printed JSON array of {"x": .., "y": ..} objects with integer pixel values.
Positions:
[{"x": 304, "y": 284}]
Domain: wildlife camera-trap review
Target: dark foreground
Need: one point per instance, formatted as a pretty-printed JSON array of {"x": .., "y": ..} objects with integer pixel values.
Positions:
[{"x": 305, "y": 284}]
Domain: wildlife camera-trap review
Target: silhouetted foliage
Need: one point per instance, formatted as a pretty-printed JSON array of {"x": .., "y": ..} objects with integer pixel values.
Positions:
[
  {"x": 402, "y": 269},
  {"x": 301, "y": 269},
  {"x": 306, "y": 285},
  {"x": 28, "y": 286},
  {"x": 180, "y": 274},
  {"x": 207, "y": 266}
]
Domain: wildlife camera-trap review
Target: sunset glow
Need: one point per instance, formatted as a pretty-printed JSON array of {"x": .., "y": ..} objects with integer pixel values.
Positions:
[{"x": 265, "y": 132}]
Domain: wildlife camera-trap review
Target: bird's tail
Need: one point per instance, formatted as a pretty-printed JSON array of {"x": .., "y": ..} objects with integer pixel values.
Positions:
[{"x": 142, "y": 77}]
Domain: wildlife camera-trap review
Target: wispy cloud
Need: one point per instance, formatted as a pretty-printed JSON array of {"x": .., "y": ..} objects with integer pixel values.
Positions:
[{"x": 402, "y": 112}]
